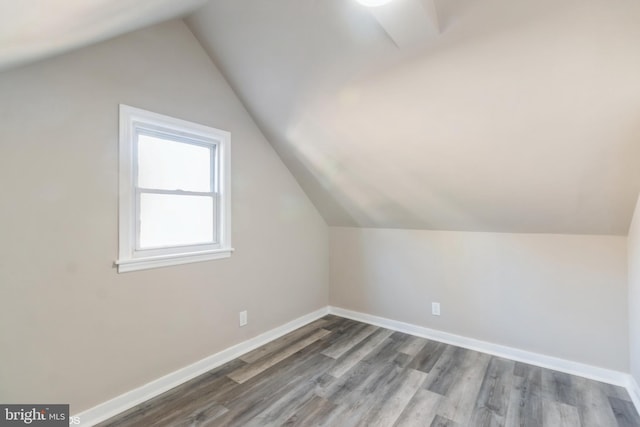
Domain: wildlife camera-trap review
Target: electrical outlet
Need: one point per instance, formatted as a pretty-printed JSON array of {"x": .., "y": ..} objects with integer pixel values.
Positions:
[
  {"x": 243, "y": 318},
  {"x": 435, "y": 308}
]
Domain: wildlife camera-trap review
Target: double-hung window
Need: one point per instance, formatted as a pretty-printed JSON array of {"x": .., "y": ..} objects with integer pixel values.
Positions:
[{"x": 174, "y": 191}]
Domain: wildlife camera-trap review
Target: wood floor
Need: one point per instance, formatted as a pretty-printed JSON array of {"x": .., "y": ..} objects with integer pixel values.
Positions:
[{"x": 339, "y": 372}]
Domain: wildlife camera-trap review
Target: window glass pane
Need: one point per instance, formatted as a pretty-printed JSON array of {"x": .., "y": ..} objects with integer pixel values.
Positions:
[
  {"x": 169, "y": 165},
  {"x": 175, "y": 220}
]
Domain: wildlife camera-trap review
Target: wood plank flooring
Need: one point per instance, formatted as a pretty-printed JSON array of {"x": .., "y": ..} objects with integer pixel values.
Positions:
[{"x": 339, "y": 372}]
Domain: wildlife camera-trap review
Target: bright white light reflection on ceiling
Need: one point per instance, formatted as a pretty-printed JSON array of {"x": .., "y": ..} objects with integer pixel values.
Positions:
[{"x": 373, "y": 3}]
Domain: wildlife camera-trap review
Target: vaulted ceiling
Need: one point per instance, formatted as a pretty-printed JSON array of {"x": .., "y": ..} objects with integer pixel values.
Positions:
[
  {"x": 500, "y": 115},
  {"x": 35, "y": 29},
  {"x": 516, "y": 116}
]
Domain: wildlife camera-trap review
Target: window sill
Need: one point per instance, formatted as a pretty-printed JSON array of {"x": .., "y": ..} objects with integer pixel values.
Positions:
[{"x": 134, "y": 264}]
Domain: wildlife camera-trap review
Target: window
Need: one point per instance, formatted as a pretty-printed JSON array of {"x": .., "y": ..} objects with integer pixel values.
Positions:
[{"x": 174, "y": 191}]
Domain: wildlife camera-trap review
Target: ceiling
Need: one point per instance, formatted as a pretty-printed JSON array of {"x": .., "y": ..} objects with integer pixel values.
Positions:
[
  {"x": 500, "y": 115},
  {"x": 35, "y": 29},
  {"x": 508, "y": 116}
]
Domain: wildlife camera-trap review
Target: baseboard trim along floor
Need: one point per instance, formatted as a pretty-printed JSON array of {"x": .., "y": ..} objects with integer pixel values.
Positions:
[
  {"x": 634, "y": 391},
  {"x": 543, "y": 361},
  {"x": 150, "y": 390}
]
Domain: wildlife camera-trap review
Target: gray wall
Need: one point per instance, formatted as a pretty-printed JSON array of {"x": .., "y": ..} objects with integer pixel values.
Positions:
[
  {"x": 73, "y": 330},
  {"x": 634, "y": 293},
  {"x": 559, "y": 295}
]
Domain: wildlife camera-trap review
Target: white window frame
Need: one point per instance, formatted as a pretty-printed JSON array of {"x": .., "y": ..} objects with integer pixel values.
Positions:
[{"x": 134, "y": 121}]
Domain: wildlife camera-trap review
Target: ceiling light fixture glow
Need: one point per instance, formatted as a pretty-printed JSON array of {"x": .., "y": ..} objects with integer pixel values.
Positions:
[{"x": 373, "y": 3}]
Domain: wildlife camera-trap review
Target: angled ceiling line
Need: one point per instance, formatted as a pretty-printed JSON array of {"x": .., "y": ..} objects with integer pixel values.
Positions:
[{"x": 408, "y": 23}]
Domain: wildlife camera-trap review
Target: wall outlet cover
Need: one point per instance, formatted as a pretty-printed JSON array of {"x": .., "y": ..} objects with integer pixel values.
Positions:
[{"x": 435, "y": 308}]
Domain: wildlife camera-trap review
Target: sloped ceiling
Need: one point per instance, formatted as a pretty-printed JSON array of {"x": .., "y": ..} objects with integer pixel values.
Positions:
[
  {"x": 35, "y": 29},
  {"x": 516, "y": 116}
]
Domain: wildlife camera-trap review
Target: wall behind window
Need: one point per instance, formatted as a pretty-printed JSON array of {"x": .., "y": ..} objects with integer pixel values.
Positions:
[
  {"x": 559, "y": 295},
  {"x": 74, "y": 331}
]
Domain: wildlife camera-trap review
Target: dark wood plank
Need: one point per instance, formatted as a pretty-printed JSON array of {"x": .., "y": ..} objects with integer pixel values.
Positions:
[
  {"x": 625, "y": 413},
  {"x": 428, "y": 355},
  {"x": 335, "y": 390},
  {"x": 421, "y": 409},
  {"x": 495, "y": 393},
  {"x": 250, "y": 370},
  {"x": 282, "y": 342},
  {"x": 348, "y": 341},
  {"x": 203, "y": 416},
  {"x": 257, "y": 401},
  {"x": 286, "y": 404},
  {"x": 593, "y": 404},
  {"x": 278, "y": 376},
  {"x": 558, "y": 386},
  {"x": 308, "y": 414},
  {"x": 391, "y": 405},
  {"x": 525, "y": 405},
  {"x": 359, "y": 352},
  {"x": 354, "y": 410},
  {"x": 412, "y": 347},
  {"x": 556, "y": 413},
  {"x": 460, "y": 398},
  {"x": 439, "y": 421},
  {"x": 446, "y": 370}
]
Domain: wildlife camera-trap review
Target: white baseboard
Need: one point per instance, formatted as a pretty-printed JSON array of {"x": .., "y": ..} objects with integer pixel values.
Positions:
[
  {"x": 634, "y": 392},
  {"x": 544, "y": 361},
  {"x": 150, "y": 390}
]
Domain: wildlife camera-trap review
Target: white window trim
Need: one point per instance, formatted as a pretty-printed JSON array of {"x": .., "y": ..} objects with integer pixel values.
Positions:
[{"x": 129, "y": 259}]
